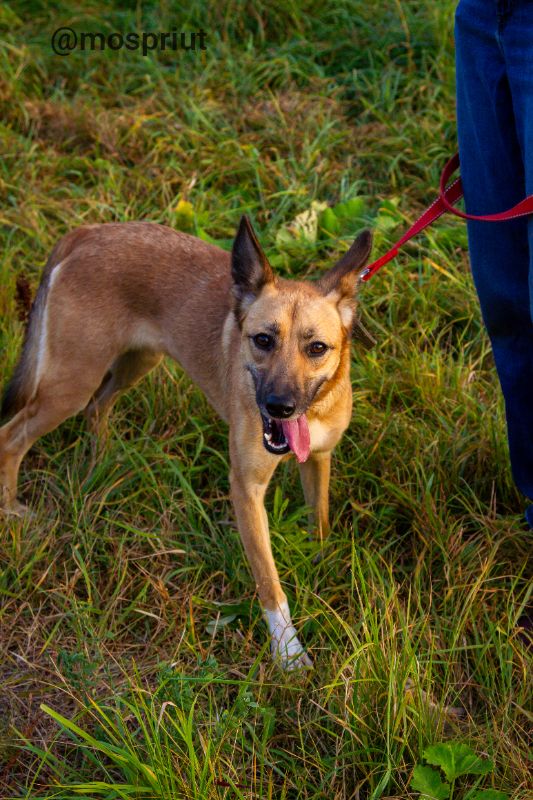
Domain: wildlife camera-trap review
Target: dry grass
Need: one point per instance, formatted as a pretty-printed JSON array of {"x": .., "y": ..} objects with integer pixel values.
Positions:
[{"x": 109, "y": 594}]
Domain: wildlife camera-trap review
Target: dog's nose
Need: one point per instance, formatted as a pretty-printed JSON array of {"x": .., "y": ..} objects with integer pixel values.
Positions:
[{"x": 279, "y": 407}]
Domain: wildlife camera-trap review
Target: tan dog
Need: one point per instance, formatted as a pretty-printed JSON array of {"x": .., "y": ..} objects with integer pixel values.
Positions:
[{"x": 271, "y": 355}]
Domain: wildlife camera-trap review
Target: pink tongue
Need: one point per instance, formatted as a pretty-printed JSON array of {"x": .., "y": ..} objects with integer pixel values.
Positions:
[{"x": 298, "y": 437}]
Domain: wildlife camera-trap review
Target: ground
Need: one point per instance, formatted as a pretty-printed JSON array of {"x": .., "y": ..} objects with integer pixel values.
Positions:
[{"x": 127, "y": 606}]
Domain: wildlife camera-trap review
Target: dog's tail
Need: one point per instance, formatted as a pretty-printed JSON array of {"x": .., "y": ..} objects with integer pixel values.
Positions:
[
  {"x": 21, "y": 386},
  {"x": 23, "y": 383}
]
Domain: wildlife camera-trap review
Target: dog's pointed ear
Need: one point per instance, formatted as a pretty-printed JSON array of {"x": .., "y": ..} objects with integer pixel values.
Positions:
[
  {"x": 340, "y": 283},
  {"x": 250, "y": 269}
]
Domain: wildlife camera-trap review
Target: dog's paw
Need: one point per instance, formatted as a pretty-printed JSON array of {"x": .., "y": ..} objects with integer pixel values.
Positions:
[
  {"x": 16, "y": 509},
  {"x": 288, "y": 652},
  {"x": 285, "y": 645},
  {"x": 301, "y": 661}
]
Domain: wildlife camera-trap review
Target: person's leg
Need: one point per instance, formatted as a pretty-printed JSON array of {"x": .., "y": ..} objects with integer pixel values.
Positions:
[
  {"x": 517, "y": 45},
  {"x": 491, "y": 146}
]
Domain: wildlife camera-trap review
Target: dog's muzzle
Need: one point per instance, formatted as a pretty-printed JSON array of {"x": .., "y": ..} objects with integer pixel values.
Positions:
[
  {"x": 273, "y": 436},
  {"x": 282, "y": 436}
]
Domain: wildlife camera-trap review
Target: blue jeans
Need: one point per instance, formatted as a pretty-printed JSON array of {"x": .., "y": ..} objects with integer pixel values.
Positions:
[{"x": 494, "y": 59}]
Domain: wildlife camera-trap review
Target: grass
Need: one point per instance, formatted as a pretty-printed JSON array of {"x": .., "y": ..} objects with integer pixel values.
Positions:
[{"x": 133, "y": 654}]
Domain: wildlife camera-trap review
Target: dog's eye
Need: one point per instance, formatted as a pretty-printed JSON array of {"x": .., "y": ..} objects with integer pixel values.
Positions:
[
  {"x": 317, "y": 348},
  {"x": 263, "y": 341}
]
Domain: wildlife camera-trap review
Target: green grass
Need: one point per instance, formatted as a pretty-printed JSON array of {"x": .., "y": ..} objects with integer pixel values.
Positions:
[{"x": 110, "y": 595}]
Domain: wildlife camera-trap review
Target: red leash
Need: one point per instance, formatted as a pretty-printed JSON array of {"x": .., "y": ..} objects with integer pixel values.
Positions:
[{"x": 448, "y": 196}]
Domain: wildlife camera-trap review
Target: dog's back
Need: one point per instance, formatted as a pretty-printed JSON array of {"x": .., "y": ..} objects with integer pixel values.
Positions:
[{"x": 138, "y": 286}]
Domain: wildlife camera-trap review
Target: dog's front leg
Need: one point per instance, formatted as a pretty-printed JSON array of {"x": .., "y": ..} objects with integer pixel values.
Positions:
[
  {"x": 314, "y": 474},
  {"x": 248, "y": 495}
]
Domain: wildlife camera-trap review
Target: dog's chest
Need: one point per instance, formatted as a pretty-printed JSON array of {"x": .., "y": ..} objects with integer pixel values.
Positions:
[{"x": 323, "y": 435}]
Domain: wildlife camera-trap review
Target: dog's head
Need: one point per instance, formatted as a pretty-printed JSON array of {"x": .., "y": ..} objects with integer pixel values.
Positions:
[{"x": 295, "y": 335}]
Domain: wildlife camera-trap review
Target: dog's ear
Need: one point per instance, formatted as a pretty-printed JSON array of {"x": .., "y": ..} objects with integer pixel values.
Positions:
[
  {"x": 249, "y": 266},
  {"x": 340, "y": 283}
]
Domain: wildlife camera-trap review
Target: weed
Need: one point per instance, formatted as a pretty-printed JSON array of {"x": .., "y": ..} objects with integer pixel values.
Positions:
[{"x": 317, "y": 119}]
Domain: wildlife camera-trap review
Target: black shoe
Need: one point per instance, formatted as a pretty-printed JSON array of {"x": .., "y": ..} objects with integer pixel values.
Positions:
[{"x": 525, "y": 627}]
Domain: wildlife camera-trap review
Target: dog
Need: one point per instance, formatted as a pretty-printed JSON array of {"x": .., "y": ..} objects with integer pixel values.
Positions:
[{"x": 271, "y": 355}]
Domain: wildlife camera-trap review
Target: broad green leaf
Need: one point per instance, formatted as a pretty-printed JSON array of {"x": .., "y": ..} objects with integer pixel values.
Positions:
[
  {"x": 391, "y": 205},
  {"x": 388, "y": 216},
  {"x": 329, "y": 222},
  {"x": 385, "y": 221},
  {"x": 214, "y": 624},
  {"x": 428, "y": 782},
  {"x": 488, "y": 794},
  {"x": 242, "y": 607},
  {"x": 457, "y": 758},
  {"x": 350, "y": 209}
]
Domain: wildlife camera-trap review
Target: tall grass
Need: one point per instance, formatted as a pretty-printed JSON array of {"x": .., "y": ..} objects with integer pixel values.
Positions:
[{"x": 134, "y": 657}]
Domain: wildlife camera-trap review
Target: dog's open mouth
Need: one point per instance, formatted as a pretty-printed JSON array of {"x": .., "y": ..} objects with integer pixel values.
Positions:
[{"x": 283, "y": 436}]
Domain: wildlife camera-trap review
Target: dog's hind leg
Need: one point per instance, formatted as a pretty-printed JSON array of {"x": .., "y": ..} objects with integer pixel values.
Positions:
[
  {"x": 128, "y": 369},
  {"x": 67, "y": 351},
  {"x": 314, "y": 474},
  {"x": 60, "y": 395},
  {"x": 67, "y": 371}
]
